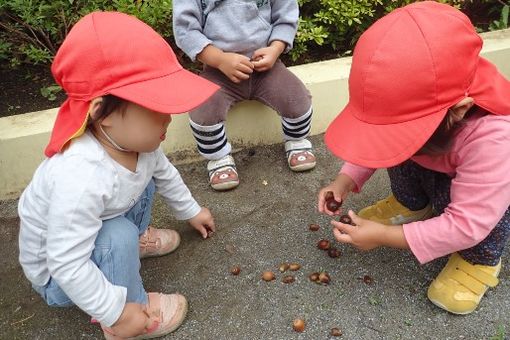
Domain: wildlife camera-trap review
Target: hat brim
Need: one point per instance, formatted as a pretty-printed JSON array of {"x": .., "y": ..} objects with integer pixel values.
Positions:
[
  {"x": 490, "y": 89},
  {"x": 174, "y": 93},
  {"x": 177, "y": 92},
  {"x": 378, "y": 146}
]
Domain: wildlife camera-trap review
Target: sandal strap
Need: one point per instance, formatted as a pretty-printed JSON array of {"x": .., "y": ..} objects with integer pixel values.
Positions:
[
  {"x": 295, "y": 146},
  {"x": 221, "y": 164}
]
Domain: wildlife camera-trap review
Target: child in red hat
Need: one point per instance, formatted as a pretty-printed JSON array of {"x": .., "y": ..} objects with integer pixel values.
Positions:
[
  {"x": 85, "y": 215},
  {"x": 427, "y": 107},
  {"x": 239, "y": 43}
]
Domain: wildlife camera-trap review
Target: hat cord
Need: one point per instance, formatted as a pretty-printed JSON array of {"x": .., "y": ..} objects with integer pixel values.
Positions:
[{"x": 115, "y": 145}]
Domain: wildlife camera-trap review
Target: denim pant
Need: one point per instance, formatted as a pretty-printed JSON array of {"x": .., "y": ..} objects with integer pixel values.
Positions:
[
  {"x": 415, "y": 187},
  {"x": 116, "y": 253}
]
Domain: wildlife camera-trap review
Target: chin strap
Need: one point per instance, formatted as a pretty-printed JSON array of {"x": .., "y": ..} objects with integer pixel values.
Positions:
[{"x": 112, "y": 142}]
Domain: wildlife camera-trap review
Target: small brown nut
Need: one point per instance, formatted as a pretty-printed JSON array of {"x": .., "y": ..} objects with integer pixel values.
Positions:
[
  {"x": 314, "y": 227},
  {"x": 336, "y": 332},
  {"x": 288, "y": 279},
  {"x": 324, "y": 278},
  {"x": 283, "y": 267},
  {"x": 314, "y": 277},
  {"x": 210, "y": 232},
  {"x": 298, "y": 325},
  {"x": 332, "y": 204},
  {"x": 267, "y": 276},
  {"x": 235, "y": 270},
  {"x": 294, "y": 266},
  {"x": 367, "y": 279},
  {"x": 323, "y": 244},
  {"x": 346, "y": 219},
  {"x": 334, "y": 253}
]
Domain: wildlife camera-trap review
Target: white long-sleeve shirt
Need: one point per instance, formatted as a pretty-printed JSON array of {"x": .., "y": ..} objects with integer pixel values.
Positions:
[{"x": 62, "y": 210}]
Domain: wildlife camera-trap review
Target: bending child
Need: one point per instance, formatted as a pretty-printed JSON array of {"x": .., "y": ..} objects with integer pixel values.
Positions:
[
  {"x": 85, "y": 216},
  {"x": 239, "y": 43},
  {"x": 427, "y": 107}
]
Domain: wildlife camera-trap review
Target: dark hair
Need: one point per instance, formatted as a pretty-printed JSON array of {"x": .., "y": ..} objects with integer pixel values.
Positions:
[
  {"x": 442, "y": 139},
  {"x": 109, "y": 104}
]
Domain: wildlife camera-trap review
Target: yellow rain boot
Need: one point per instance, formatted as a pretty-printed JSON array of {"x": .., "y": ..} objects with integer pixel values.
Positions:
[
  {"x": 460, "y": 286},
  {"x": 390, "y": 211}
]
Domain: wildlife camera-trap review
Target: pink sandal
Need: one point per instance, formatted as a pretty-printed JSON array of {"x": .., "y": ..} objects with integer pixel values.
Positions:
[
  {"x": 158, "y": 242},
  {"x": 168, "y": 312}
]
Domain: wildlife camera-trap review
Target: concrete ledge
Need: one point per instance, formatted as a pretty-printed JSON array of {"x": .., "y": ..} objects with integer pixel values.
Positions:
[{"x": 23, "y": 137}]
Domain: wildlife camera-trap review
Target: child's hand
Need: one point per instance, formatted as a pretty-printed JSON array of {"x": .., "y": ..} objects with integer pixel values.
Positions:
[
  {"x": 132, "y": 322},
  {"x": 236, "y": 67},
  {"x": 203, "y": 222},
  {"x": 366, "y": 235},
  {"x": 340, "y": 188},
  {"x": 263, "y": 59}
]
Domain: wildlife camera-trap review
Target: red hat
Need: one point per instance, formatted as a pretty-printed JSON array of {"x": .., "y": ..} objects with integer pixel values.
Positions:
[
  {"x": 408, "y": 68},
  {"x": 114, "y": 53}
]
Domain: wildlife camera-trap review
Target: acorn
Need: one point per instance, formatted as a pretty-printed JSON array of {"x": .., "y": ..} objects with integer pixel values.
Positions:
[
  {"x": 367, "y": 279},
  {"x": 314, "y": 227},
  {"x": 323, "y": 244},
  {"x": 336, "y": 332},
  {"x": 298, "y": 325},
  {"x": 334, "y": 253},
  {"x": 314, "y": 277},
  {"x": 324, "y": 278},
  {"x": 283, "y": 267},
  {"x": 294, "y": 266},
  {"x": 332, "y": 204},
  {"x": 268, "y": 276},
  {"x": 235, "y": 270},
  {"x": 288, "y": 279},
  {"x": 346, "y": 219}
]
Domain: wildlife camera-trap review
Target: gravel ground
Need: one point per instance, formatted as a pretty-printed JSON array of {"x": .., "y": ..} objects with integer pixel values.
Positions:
[{"x": 261, "y": 224}]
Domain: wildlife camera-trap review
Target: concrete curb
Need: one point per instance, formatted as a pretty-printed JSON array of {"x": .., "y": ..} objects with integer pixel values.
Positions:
[{"x": 23, "y": 137}]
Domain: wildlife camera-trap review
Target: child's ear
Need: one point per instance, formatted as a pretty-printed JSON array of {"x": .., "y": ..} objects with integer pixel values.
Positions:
[
  {"x": 94, "y": 107},
  {"x": 459, "y": 110}
]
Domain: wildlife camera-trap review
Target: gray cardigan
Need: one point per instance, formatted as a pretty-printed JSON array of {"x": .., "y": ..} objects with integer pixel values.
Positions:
[{"x": 240, "y": 26}]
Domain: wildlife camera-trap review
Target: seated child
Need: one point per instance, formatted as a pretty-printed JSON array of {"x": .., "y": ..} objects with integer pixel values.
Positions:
[
  {"x": 425, "y": 105},
  {"x": 239, "y": 43},
  {"x": 85, "y": 216}
]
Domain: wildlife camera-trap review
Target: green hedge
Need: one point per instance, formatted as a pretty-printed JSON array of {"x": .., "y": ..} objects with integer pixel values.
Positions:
[{"x": 32, "y": 30}]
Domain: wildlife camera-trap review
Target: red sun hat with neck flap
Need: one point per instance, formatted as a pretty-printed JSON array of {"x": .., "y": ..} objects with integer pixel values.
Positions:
[
  {"x": 407, "y": 69},
  {"x": 115, "y": 53}
]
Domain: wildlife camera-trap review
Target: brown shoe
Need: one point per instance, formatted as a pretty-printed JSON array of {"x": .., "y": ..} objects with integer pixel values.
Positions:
[{"x": 158, "y": 242}]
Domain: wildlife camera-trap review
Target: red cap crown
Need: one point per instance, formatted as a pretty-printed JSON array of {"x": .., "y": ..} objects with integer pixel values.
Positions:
[
  {"x": 408, "y": 68},
  {"x": 114, "y": 53}
]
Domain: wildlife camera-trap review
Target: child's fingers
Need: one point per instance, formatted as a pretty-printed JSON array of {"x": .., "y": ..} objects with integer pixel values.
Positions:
[
  {"x": 355, "y": 218},
  {"x": 341, "y": 237},
  {"x": 344, "y": 228},
  {"x": 203, "y": 232}
]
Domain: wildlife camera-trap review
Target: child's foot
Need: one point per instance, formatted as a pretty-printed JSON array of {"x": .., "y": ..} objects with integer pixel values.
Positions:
[
  {"x": 299, "y": 155},
  {"x": 390, "y": 211},
  {"x": 460, "y": 286},
  {"x": 168, "y": 310},
  {"x": 158, "y": 242},
  {"x": 223, "y": 173}
]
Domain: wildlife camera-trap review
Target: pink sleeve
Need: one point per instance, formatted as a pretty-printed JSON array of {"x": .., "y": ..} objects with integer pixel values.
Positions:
[
  {"x": 358, "y": 174},
  {"x": 480, "y": 196}
]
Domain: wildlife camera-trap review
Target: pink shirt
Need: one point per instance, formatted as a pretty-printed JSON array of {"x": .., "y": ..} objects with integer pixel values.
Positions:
[{"x": 479, "y": 164}]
